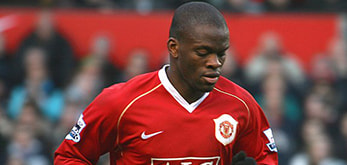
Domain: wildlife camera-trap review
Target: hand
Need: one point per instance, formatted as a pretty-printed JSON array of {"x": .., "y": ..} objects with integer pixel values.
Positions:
[{"x": 241, "y": 159}]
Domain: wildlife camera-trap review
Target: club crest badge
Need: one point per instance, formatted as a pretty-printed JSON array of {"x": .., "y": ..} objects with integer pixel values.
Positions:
[{"x": 225, "y": 129}]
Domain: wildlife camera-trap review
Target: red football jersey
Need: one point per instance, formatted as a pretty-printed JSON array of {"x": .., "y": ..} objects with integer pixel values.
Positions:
[{"x": 146, "y": 121}]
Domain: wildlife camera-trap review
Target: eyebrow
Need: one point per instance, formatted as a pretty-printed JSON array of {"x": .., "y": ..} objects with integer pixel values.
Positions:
[
  {"x": 210, "y": 49},
  {"x": 200, "y": 45},
  {"x": 204, "y": 47}
]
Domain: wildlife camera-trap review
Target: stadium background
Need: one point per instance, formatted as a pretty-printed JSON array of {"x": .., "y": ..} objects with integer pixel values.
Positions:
[{"x": 290, "y": 54}]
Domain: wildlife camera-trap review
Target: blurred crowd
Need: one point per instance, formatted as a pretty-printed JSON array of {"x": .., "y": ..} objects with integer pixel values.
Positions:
[
  {"x": 44, "y": 88},
  {"x": 238, "y": 6}
]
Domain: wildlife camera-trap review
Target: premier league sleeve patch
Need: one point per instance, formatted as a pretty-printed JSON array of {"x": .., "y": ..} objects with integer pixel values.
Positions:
[
  {"x": 272, "y": 145},
  {"x": 225, "y": 129},
  {"x": 74, "y": 134}
]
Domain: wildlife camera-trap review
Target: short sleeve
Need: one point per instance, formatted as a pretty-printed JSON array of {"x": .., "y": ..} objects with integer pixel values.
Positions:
[
  {"x": 257, "y": 140},
  {"x": 92, "y": 136}
]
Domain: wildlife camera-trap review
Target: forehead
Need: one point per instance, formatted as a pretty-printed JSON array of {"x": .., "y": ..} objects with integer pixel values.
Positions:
[{"x": 207, "y": 35}]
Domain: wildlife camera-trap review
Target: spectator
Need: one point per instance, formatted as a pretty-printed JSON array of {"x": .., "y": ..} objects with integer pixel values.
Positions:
[
  {"x": 58, "y": 51},
  {"x": 322, "y": 77},
  {"x": 232, "y": 69},
  {"x": 37, "y": 87},
  {"x": 86, "y": 84},
  {"x": 100, "y": 54},
  {"x": 271, "y": 49},
  {"x": 283, "y": 113},
  {"x": 68, "y": 119},
  {"x": 311, "y": 128},
  {"x": 318, "y": 106},
  {"x": 137, "y": 64},
  {"x": 318, "y": 153},
  {"x": 24, "y": 147},
  {"x": 275, "y": 97},
  {"x": 32, "y": 118},
  {"x": 322, "y": 70}
]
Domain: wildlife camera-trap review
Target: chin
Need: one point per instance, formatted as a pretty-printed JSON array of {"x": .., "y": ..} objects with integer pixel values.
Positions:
[{"x": 207, "y": 88}]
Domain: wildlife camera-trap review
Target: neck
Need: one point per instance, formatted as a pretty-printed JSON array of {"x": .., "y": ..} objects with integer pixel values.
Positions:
[{"x": 186, "y": 91}]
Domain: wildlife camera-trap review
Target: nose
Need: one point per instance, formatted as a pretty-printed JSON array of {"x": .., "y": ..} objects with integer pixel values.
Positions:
[{"x": 213, "y": 61}]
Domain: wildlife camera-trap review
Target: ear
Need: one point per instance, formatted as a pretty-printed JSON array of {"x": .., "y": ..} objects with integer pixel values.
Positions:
[{"x": 172, "y": 47}]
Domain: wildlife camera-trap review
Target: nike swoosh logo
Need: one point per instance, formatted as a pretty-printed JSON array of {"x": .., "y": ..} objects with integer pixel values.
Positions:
[{"x": 144, "y": 136}]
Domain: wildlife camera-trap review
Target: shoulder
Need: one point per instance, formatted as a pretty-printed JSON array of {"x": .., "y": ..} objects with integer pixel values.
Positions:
[
  {"x": 125, "y": 92},
  {"x": 230, "y": 88},
  {"x": 111, "y": 102},
  {"x": 137, "y": 84}
]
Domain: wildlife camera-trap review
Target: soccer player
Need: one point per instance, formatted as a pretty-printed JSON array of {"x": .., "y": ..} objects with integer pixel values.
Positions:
[{"x": 183, "y": 114}]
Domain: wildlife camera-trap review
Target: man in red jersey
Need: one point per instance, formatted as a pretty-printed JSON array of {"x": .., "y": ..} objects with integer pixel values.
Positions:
[{"x": 183, "y": 114}]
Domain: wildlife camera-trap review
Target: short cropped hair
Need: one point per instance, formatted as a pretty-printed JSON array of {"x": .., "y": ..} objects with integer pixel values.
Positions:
[{"x": 194, "y": 14}]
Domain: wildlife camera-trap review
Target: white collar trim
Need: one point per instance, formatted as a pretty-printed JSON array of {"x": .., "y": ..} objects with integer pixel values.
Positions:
[{"x": 174, "y": 93}]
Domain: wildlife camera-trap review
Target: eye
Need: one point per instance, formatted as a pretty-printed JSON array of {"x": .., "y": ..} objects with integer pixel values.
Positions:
[{"x": 201, "y": 52}]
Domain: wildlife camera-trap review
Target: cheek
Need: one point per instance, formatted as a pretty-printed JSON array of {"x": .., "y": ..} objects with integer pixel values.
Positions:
[
  {"x": 187, "y": 69},
  {"x": 189, "y": 66}
]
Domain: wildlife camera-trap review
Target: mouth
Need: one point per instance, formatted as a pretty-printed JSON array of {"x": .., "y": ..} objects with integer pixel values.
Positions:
[{"x": 211, "y": 78}]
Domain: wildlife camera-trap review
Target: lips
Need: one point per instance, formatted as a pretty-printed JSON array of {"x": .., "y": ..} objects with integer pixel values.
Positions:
[{"x": 211, "y": 78}]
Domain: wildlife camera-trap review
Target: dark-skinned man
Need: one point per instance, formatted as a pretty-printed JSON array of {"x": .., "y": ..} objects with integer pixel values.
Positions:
[{"x": 183, "y": 114}]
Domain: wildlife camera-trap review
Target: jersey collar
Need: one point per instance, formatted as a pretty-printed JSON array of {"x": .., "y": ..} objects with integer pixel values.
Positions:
[{"x": 175, "y": 94}]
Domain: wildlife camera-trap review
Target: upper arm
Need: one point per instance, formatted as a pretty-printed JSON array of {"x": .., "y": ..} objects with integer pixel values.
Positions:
[
  {"x": 257, "y": 140},
  {"x": 92, "y": 136}
]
